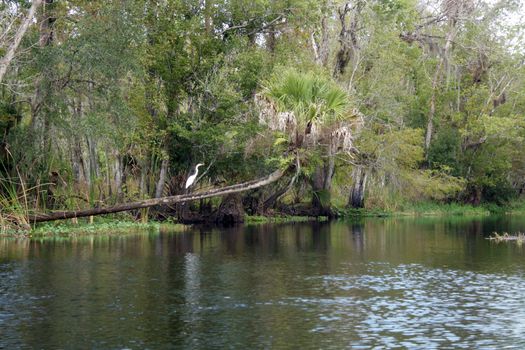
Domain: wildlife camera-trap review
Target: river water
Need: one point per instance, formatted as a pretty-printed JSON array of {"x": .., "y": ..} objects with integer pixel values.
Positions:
[{"x": 380, "y": 283}]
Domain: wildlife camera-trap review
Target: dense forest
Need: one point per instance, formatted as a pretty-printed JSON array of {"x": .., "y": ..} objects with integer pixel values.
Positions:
[{"x": 359, "y": 104}]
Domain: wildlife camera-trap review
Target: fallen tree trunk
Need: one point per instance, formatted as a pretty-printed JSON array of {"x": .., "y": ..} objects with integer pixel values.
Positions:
[{"x": 250, "y": 185}]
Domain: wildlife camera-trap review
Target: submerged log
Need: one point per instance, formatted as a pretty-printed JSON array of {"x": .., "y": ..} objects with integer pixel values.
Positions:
[{"x": 246, "y": 186}]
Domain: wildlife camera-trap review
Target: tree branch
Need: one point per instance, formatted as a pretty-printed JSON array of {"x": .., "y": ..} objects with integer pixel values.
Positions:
[{"x": 6, "y": 60}]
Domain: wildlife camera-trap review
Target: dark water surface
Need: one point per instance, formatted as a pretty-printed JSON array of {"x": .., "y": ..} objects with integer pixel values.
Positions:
[{"x": 406, "y": 283}]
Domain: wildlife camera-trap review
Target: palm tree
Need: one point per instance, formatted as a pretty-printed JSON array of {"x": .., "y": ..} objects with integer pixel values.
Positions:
[{"x": 316, "y": 115}]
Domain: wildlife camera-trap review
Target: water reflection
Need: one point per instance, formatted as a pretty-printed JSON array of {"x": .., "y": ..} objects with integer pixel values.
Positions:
[{"x": 424, "y": 283}]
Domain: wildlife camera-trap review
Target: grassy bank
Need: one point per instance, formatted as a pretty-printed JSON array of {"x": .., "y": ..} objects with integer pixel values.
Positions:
[
  {"x": 101, "y": 226},
  {"x": 450, "y": 209},
  {"x": 437, "y": 209},
  {"x": 124, "y": 224}
]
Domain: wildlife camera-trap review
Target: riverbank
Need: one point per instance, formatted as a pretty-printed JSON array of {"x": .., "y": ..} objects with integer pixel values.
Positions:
[
  {"x": 438, "y": 209},
  {"x": 102, "y": 226},
  {"x": 123, "y": 224},
  {"x": 426, "y": 209}
]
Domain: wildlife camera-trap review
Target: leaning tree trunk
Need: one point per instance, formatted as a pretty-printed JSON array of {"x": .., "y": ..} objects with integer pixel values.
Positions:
[
  {"x": 272, "y": 200},
  {"x": 10, "y": 54},
  {"x": 246, "y": 186}
]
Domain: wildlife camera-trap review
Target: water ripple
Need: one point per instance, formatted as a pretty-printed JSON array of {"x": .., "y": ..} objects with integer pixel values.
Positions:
[{"x": 410, "y": 305}]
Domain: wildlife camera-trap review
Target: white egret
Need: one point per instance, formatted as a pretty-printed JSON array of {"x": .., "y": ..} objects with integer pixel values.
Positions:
[{"x": 193, "y": 175}]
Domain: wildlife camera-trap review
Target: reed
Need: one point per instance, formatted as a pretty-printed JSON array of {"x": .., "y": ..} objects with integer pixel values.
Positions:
[{"x": 14, "y": 206}]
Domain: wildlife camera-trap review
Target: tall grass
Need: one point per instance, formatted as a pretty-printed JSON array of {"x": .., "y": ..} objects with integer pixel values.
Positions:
[
  {"x": 440, "y": 209},
  {"x": 16, "y": 199},
  {"x": 422, "y": 209},
  {"x": 14, "y": 206}
]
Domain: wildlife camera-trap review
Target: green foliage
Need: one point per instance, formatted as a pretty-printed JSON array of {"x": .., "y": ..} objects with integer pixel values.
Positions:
[
  {"x": 312, "y": 97},
  {"x": 445, "y": 151},
  {"x": 396, "y": 157},
  {"x": 9, "y": 116}
]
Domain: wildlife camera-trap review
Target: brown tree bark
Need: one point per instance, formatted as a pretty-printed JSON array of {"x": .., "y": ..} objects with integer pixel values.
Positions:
[
  {"x": 270, "y": 201},
  {"x": 77, "y": 161},
  {"x": 357, "y": 194},
  {"x": 246, "y": 186},
  {"x": 231, "y": 210},
  {"x": 322, "y": 184},
  {"x": 162, "y": 178}
]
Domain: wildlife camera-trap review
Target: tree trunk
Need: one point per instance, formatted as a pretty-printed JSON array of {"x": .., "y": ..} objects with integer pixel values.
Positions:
[
  {"x": 118, "y": 172},
  {"x": 432, "y": 111},
  {"x": 443, "y": 61},
  {"x": 85, "y": 165},
  {"x": 246, "y": 186},
  {"x": 46, "y": 27},
  {"x": 77, "y": 161},
  {"x": 271, "y": 40},
  {"x": 208, "y": 20},
  {"x": 270, "y": 201},
  {"x": 143, "y": 189},
  {"x": 321, "y": 186},
  {"x": 94, "y": 169},
  {"x": 39, "y": 122},
  {"x": 6, "y": 60},
  {"x": 231, "y": 210},
  {"x": 321, "y": 47},
  {"x": 348, "y": 44},
  {"x": 357, "y": 194},
  {"x": 162, "y": 178}
]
